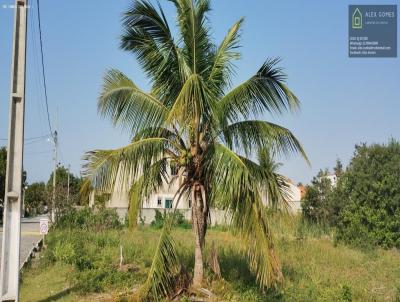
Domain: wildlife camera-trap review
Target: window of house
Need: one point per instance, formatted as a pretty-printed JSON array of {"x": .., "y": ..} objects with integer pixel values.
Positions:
[
  {"x": 159, "y": 201},
  {"x": 190, "y": 203},
  {"x": 174, "y": 170},
  {"x": 168, "y": 203}
]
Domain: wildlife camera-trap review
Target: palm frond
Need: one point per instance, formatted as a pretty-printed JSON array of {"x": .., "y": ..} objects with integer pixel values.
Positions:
[
  {"x": 275, "y": 186},
  {"x": 85, "y": 190},
  {"x": 162, "y": 132},
  {"x": 236, "y": 183},
  {"x": 147, "y": 34},
  {"x": 264, "y": 92},
  {"x": 250, "y": 136},
  {"x": 147, "y": 184},
  {"x": 105, "y": 168},
  {"x": 194, "y": 33},
  {"x": 194, "y": 104},
  {"x": 229, "y": 175},
  {"x": 165, "y": 266},
  {"x": 127, "y": 105},
  {"x": 249, "y": 221},
  {"x": 221, "y": 71}
]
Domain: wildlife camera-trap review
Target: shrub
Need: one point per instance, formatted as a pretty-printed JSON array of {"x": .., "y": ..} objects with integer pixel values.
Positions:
[
  {"x": 179, "y": 220},
  {"x": 158, "y": 221},
  {"x": 315, "y": 204},
  {"x": 101, "y": 279},
  {"x": 345, "y": 293},
  {"x": 93, "y": 255},
  {"x": 370, "y": 189},
  {"x": 65, "y": 252},
  {"x": 87, "y": 219}
]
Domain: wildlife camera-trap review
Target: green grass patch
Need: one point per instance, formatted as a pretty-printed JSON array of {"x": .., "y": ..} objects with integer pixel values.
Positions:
[{"x": 84, "y": 266}]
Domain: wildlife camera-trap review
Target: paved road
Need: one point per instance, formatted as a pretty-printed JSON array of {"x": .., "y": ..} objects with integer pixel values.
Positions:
[{"x": 29, "y": 236}]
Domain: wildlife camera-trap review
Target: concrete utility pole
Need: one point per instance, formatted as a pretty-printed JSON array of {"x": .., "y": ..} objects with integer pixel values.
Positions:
[
  {"x": 9, "y": 275},
  {"x": 53, "y": 204}
]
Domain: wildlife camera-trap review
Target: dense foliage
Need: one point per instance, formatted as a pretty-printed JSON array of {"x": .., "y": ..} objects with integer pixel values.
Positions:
[
  {"x": 62, "y": 180},
  {"x": 364, "y": 207},
  {"x": 89, "y": 220},
  {"x": 370, "y": 188},
  {"x": 179, "y": 220},
  {"x": 36, "y": 197},
  {"x": 316, "y": 203}
]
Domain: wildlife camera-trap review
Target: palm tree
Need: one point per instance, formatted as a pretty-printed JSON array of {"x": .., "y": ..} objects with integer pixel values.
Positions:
[{"x": 194, "y": 120}]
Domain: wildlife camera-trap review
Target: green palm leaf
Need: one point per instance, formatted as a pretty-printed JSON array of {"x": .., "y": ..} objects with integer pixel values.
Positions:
[
  {"x": 222, "y": 65},
  {"x": 127, "y": 105},
  {"x": 105, "y": 168},
  {"x": 142, "y": 188},
  {"x": 237, "y": 182},
  {"x": 264, "y": 92},
  {"x": 254, "y": 135},
  {"x": 165, "y": 266},
  {"x": 147, "y": 34}
]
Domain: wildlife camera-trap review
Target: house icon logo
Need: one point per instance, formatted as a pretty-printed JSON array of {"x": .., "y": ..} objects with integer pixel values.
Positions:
[{"x": 356, "y": 20}]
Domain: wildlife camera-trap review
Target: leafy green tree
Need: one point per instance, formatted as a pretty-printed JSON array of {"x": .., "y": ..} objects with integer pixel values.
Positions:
[
  {"x": 369, "y": 194},
  {"x": 193, "y": 120},
  {"x": 36, "y": 198},
  {"x": 338, "y": 169},
  {"x": 62, "y": 181},
  {"x": 316, "y": 201}
]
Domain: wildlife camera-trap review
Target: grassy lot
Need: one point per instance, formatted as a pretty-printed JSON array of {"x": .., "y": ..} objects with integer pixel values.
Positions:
[{"x": 83, "y": 266}]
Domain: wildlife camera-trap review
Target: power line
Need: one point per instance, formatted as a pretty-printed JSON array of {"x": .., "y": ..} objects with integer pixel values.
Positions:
[
  {"x": 30, "y": 138},
  {"x": 35, "y": 70},
  {"x": 43, "y": 73}
]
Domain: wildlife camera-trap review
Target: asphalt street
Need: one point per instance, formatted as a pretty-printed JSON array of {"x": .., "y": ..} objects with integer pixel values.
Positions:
[{"x": 30, "y": 235}]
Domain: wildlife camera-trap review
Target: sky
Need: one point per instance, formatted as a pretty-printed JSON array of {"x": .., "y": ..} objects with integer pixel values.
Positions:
[{"x": 345, "y": 101}]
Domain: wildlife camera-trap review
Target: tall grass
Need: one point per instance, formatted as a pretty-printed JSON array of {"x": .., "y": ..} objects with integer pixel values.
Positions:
[{"x": 314, "y": 268}]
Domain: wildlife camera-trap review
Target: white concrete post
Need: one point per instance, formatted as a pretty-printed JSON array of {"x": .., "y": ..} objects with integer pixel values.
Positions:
[{"x": 9, "y": 275}]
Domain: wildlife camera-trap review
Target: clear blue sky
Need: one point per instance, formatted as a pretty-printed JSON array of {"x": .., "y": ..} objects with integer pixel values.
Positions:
[{"x": 344, "y": 101}]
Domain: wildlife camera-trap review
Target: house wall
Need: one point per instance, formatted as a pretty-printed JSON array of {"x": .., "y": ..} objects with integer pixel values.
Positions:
[
  {"x": 119, "y": 200},
  {"x": 332, "y": 178},
  {"x": 295, "y": 199},
  {"x": 217, "y": 217}
]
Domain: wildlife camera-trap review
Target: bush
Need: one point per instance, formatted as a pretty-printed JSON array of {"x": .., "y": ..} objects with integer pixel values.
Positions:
[
  {"x": 100, "y": 279},
  {"x": 65, "y": 252},
  {"x": 87, "y": 219},
  {"x": 370, "y": 192},
  {"x": 315, "y": 204},
  {"x": 93, "y": 255},
  {"x": 364, "y": 207},
  {"x": 345, "y": 293},
  {"x": 158, "y": 221},
  {"x": 179, "y": 220}
]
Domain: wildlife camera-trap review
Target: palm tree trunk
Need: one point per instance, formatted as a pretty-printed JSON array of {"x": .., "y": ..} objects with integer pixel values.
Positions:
[{"x": 199, "y": 214}]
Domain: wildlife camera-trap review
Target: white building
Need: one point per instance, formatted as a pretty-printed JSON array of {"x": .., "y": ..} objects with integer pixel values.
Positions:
[
  {"x": 332, "y": 177},
  {"x": 164, "y": 201}
]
